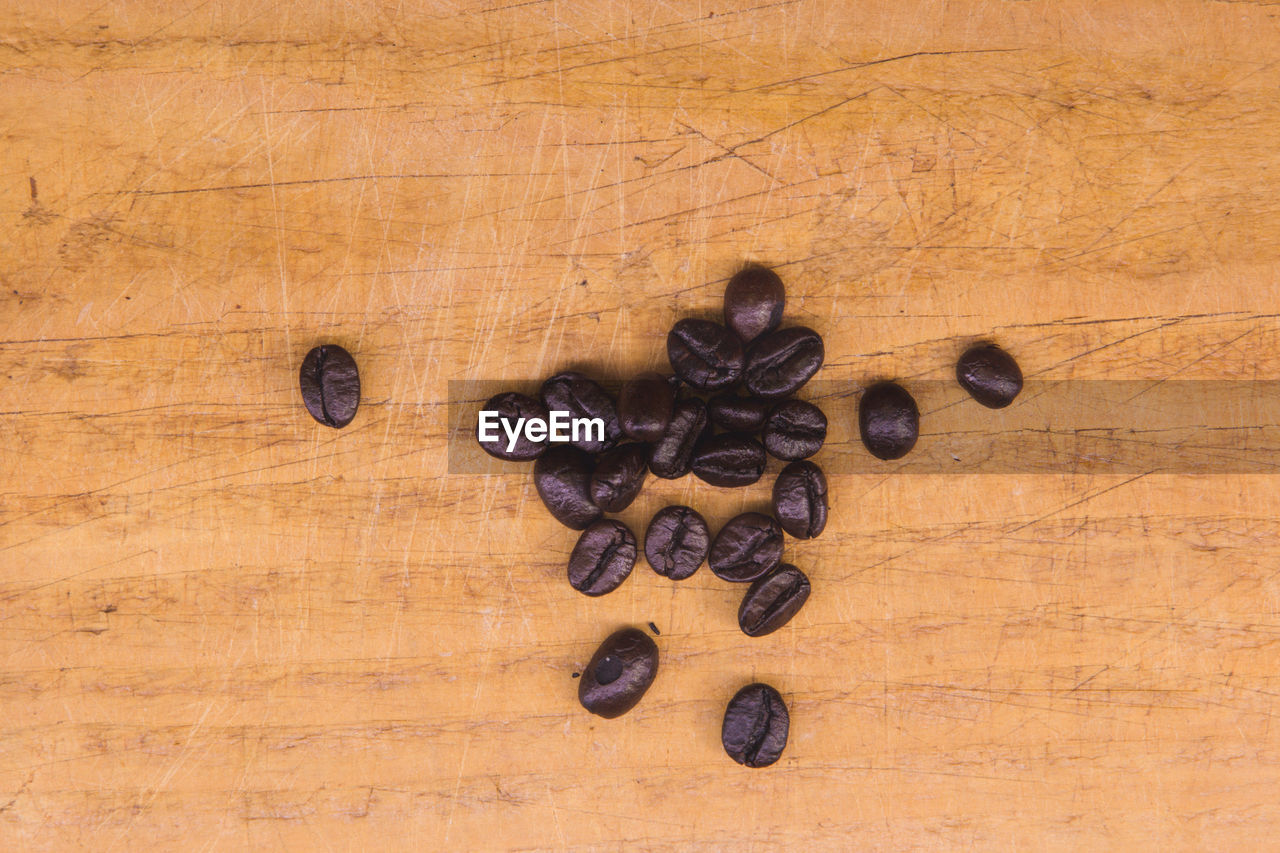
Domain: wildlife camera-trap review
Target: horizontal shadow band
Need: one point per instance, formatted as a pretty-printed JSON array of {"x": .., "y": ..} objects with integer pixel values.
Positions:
[{"x": 1094, "y": 426}]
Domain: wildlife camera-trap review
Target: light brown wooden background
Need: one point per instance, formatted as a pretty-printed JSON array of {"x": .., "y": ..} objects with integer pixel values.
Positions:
[{"x": 225, "y": 626}]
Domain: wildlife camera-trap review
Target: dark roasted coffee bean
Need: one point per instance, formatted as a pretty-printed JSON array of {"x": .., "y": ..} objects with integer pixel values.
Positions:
[
  {"x": 705, "y": 355},
  {"x": 330, "y": 385},
  {"x": 800, "y": 499},
  {"x": 644, "y": 406},
  {"x": 511, "y": 407},
  {"x": 756, "y": 725},
  {"x": 603, "y": 558},
  {"x": 671, "y": 456},
  {"x": 728, "y": 460},
  {"x": 795, "y": 430},
  {"x": 990, "y": 375},
  {"x": 773, "y": 600},
  {"x": 676, "y": 542},
  {"x": 583, "y": 397},
  {"x": 748, "y": 546},
  {"x": 619, "y": 673},
  {"x": 888, "y": 420},
  {"x": 738, "y": 414},
  {"x": 780, "y": 363},
  {"x": 753, "y": 302},
  {"x": 619, "y": 476},
  {"x": 562, "y": 476}
]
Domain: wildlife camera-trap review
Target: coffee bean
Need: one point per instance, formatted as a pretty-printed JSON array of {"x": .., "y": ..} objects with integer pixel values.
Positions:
[
  {"x": 676, "y": 542},
  {"x": 748, "y": 546},
  {"x": 510, "y": 408},
  {"x": 772, "y": 600},
  {"x": 619, "y": 476},
  {"x": 795, "y": 430},
  {"x": 603, "y": 558},
  {"x": 800, "y": 499},
  {"x": 728, "y": 460},
  {"x": 990, "y": 375},
  {"x": 582, "y": 397},
  {"x": 753, "y": 302},
  {"x": 888, "y": 420},
  {"x": 619, "y": 673},
  {"x": 562, "y": 476},
  {"x": 756, "y": 724},
  {"x": 671, "y": 456},
  {"x": 705, "y": 355},
  {"x": 644, "y": 406},
  {"x": 780, "y": 363},
  {"x": 738, "y": 414},
  {"x": 330, "y": 385}
]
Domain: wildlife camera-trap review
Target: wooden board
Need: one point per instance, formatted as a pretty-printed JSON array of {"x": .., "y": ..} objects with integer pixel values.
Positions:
[{"x": 226, "y": 627}]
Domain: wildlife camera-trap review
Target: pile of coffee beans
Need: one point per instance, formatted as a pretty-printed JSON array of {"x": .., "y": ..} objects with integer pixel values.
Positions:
[{"x": 726, "y": 407}]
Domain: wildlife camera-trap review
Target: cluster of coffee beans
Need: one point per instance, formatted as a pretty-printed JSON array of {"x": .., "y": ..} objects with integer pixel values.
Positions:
[{"x": 726, "y": 407}]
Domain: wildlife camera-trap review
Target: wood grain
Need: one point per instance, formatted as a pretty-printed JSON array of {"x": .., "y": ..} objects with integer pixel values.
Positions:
[{"x": 225, "y": 627}]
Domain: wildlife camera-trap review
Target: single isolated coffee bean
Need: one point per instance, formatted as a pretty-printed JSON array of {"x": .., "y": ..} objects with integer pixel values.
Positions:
[
  {"x": 888, "y": 420},
  {"x": 644, "y": 406},
  {"x": 671, "y": 456},
  {"x": 728, "y": 460},
  {"x": 619, "y": 673},
  {"x": 780, "y": 363},
  {"x": 330, "y": 385},
  {"x": 583, "y": 397},
  {"x": 619, "y": 476},
  {"x": 756, "y": 725},
  {"x": 800, "y": 499},
  {"x": 704, "y": 354},
  {"x": 738, "y": 414},
  {"x": 753, "y": 302},
  {"x": 794, "y": 430},
  {"x": 990, "y": 375},
  {"x": 603, "y": 558},
  {"x": 677, "y": 542},
  {"x": 562, "y": 476},
  {"x": 772, "y": 600},
  {"x": 511, "y": 407},
  {"x": 747, "y": 547}
]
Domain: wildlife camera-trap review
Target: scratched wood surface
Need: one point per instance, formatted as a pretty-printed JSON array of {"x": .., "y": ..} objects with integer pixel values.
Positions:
[{"x": 226, "y": 627}]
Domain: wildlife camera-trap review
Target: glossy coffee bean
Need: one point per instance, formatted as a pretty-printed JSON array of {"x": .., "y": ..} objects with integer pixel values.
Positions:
[
  {"x": 738, "y": 414},
  {"x": 705, "y": 355},
  {"x": 330, "y": 385},
  {"x": 794, "y": 430},
  {"x": 583, "y": 397},
  {"x": 728, "y": 460},
  {"x": 780, "y": 363},
  {"x": 619, "y": 476},
  {"x": 644, "y": 406},
  {"x": 800, "y": 499},
  {"x": 753, "y": 302},
  {"x": 888, "y": 420},
  {"x": 756, "y": 725},
  {"x": 747, "y": 547},
  {"x": 772, "y": 600},
  {"x": 510, "y": 408},
  {"x": 671, "y": 456},
  {"x": 619, "y": 673},
  {"x": 562, "y": 476},
  {"x": 677, "y": 542},
  {"x": 603, "y": 558},
  {"x": 990, "y": 375}
]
